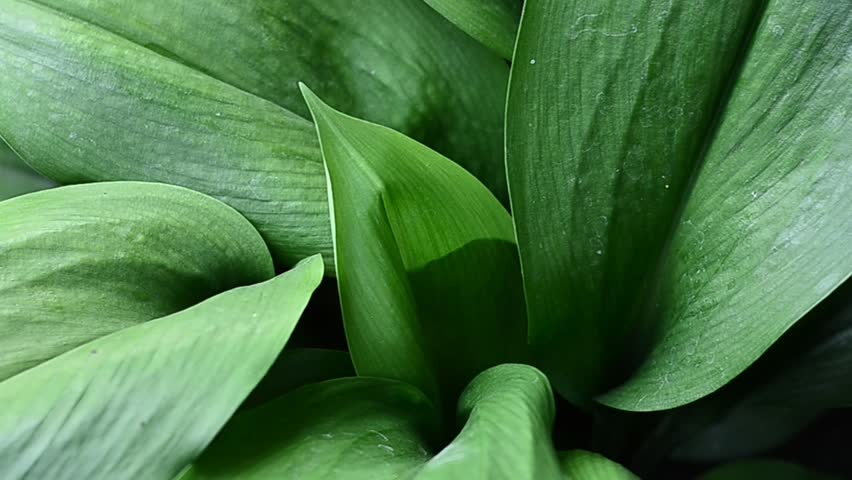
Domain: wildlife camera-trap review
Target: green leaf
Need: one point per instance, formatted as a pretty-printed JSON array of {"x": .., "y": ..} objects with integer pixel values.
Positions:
[
  {"x": 426, "y": 263},
  {"x": 598, "y": 160},
  {"x": 764, "y": 235},
  {"x": 82, "y": 104},
  {"x": 774, "y": 469},
  {"x": 797, "y": 379},
  {"x": 297, "y": 367},
  {"x": 651, "y": 222},
  {"x": 122, "y": 91},
  {"x": 144, "y": 402},
  {"x": 366, "y": 428},
  {"x": 80, "y": 262},
  {"x": 583, "y": 465},
  {"x": 16, "y": 178},
  {"x": 394, "y": 62},
  {"x": 493, "y": 22}
]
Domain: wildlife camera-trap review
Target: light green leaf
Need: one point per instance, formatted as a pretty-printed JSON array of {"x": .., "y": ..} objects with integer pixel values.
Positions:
[
  {"x": 296, "y": 367},
  {"x": 583, "y": 465},
  {"x": 426, "y": 263},
  {"x": 764, "y": 235},
  {"x": 622, "y": 251},
  {"x": 774, "y": 469},
  {"x": 80, "y": 262},
  {"x": 16, "y": 178},
  {"x": 365, "y": 428},
  {"x": 492, "y": 22},
  {"x": 598, "y": 160},
  {"x": 144, "y": 402}
]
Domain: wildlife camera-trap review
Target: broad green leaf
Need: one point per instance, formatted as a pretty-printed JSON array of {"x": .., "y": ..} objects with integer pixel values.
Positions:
[
  {"x": 608, "y": 107},
  {"x": 683, "y": 204},
  {"x": 296, "y": 367},
  {"x": 583, "y": 465},
  {"x": 375, "y": 429},
  {"x": 16, "y": 178},
  {"x": 492, "y": 22},
  {"x": 81, "y": 104},
  {"x": 797, "y": 379},
  {"x": 145, "y": 401},
  {"x": 765, "y": 233},
  {"x": 774, "y": 469},
  {"x": 83, "y": 261},
  {"x": 426, "y": 263},
  {"x": 394, "y": 62},
  {"x": 131, "y": 91}
]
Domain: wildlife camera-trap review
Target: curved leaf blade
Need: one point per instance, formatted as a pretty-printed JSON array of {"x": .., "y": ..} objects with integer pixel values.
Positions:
[
  {"x": 394, "y": 62},
  {"x": 494, "y": 23},
  {"x": 365, "y": 428},
  {"x": 185, "y": 128},
  {"x": 79, "y": 262},
  {"x": 123, "y": 406},
  {"x": 583, "y": 465},
  {"x": 764, "y": 235},
  {"x": 598, "y": 160},
  {"x": 426, "y": 263}
]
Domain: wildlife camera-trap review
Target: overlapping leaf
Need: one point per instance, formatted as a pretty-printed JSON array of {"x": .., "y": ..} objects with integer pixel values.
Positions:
[
  {"x": 144, "y": 402},
  {"x": 69, "y": 83},
  {"x": 394, "y": 62},
  {"x": 364, "y": 428},
  {"x": 492, "y": 22},
  {"x": 80, "y": 262},
  {"x": 426, "y": 263},
  {"x": 621, "y": 252}
]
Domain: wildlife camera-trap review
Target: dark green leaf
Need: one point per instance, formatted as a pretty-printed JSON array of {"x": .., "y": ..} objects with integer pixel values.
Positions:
[
  {"x": 83, "y": 261},
  {"x": 608, "y": 107},
  {"x": 143, "y": 402},
  {"x": 622, "y": 252},
  {"x": 765, "y": 233},
  {"x": 426, "y": 261},
  {"x": 492, "y": 22},
  {"x": 375, "y": 429},
  {"x": 296, "y": 367},
  {"x": 769, "y": 469}
]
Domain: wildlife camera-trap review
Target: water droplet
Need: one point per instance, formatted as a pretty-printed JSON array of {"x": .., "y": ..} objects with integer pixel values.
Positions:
[
  {"x": 599, "y": 252},
  {"x": 218, "y": 114},
  {"x": 667, "y": 186},
  {"x": 532, "y": 62}
]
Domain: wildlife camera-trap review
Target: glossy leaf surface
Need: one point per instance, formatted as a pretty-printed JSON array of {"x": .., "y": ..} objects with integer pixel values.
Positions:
[
  {"x": 764, "y": 235},
  {"x": 666, "y": 200},
  {"x": 394, "y": 62},
  {"x": 606, "y": 117},
  {"x": 426, "y": 264},
  {"x": 365, "y": 428},
  {"x": 144, "y": 402},
  {"x": 79, "y": 262},
  {"x": 492, "y": 22}
]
